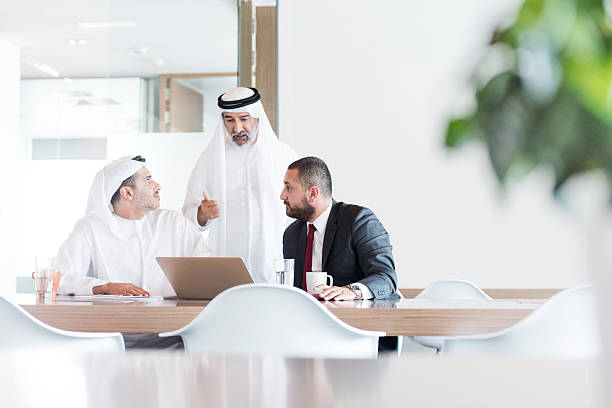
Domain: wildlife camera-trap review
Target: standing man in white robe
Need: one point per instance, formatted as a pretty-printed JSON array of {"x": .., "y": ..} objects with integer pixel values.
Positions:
[
  {"x": 234, "y": 186},
  {"x": 112, "y": 249}
]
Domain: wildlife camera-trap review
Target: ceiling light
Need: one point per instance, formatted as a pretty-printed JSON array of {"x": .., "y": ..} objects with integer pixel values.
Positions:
[
  {"x": 71, "y": 42},
  {"x": 105, "y": 24},
  {"x": 39, "y": 66}
]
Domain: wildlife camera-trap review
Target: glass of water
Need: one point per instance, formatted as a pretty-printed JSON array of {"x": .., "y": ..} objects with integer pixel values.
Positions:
[
  {"x": 44, "y": 271},
  {"x": 284, "y": 269}
]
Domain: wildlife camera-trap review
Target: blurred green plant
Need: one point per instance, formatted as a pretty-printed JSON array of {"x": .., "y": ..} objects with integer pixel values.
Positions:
[{"x": 551, "y": 101}]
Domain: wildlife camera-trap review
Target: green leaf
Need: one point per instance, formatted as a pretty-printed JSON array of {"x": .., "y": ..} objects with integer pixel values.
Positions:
[
  {"x": 506, "y": 130},
  {"x": 462, "y": 130},
  {"x": 591, "y": 80},
  {"x": 570, "y": 132}
]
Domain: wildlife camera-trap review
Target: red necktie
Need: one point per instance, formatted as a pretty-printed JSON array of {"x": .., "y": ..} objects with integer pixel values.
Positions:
[{"x": 308, "y": 257}]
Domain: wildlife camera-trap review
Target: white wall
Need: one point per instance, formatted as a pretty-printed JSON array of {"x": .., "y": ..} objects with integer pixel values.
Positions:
[
  {"x": 368, "y": 86},
  {"x": 11, "y": 159}
]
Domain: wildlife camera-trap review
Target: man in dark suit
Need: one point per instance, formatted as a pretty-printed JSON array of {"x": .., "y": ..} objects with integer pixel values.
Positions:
[{"x": 345, "y": 240}]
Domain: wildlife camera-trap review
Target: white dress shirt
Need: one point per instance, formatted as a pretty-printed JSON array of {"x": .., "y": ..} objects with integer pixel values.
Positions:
[{"x": 320, "y": 224}]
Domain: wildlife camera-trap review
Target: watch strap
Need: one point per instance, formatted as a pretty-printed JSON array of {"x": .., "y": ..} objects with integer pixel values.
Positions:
[{"x": 356, "y": 290}]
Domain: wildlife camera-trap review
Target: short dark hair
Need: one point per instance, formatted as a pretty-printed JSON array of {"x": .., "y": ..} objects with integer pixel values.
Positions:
[
  {"x": 313, "y": 171},
  {"x": 128, "y": 182}
]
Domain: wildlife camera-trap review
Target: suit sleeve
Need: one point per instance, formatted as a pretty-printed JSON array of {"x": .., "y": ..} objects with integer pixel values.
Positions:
[{"x": 374, "y": 253}]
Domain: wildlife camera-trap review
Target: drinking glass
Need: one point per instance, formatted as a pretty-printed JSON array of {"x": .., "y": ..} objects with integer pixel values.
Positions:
[
  {"x": 284, "y": 269},
  {"x": 43, "y": 274}
]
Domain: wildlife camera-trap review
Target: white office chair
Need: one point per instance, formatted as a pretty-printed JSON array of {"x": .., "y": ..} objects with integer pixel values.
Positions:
[
  {"x": 453, "y": 289},
  {"x": 264, "y": 319},
  {"x": 20, "y": 330},
  {"x": 447, "y": 290},
  {"x": 565, "y": 327}
]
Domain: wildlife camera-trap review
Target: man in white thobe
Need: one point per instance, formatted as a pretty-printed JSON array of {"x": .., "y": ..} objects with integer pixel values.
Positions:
[
  {"x": 112, "y": 249},
  {"x": 234, "y": 186}
]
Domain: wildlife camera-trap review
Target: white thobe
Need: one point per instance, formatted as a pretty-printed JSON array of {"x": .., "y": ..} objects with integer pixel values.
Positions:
[
  {"x": 246, "y": 182},
  {"x": 258, "y": 241},
  {"x": 240, "y": 204},
  {"x": 92, "y": 255}
]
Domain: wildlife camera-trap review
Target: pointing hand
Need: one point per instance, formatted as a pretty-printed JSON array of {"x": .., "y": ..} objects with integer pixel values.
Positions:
[{"x": 208, "y": 210}]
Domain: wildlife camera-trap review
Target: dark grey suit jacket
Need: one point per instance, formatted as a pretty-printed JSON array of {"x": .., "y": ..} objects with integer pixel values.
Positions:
[{"x": 356, "y": 248}]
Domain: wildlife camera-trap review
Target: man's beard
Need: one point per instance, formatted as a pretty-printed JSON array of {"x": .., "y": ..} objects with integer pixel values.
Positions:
[
  {"x": 146, "y": 203},
  {"x": 241, "y": 137},
  {"x": 302, "y": 213}
]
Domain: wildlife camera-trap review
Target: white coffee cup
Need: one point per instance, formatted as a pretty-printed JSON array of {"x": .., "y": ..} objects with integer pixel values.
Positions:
[{"x": 317, "y": 278}]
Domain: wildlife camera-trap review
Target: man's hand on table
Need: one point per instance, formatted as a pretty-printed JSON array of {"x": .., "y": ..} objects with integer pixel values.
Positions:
[
  {"x": 123, "y": 289},
  {"x": 334, "y": 293}
]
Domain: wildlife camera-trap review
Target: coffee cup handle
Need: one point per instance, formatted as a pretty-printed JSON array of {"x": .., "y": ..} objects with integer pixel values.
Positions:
[
  {"x": 33, "y": 275},
  {"x": 331, "y": 280}
]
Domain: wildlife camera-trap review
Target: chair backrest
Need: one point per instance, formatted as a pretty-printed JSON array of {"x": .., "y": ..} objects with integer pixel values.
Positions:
[
  {"x": 447, "y": 290},
  {"x": 20, "y": 330},
  {"x": 453, "y": 290},
  {"x": 264, "y": 319},
  {"x": 565, "y": 327}
]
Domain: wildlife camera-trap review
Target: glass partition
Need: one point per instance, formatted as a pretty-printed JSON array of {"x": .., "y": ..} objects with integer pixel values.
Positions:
[{"x": 105, "y": 79}]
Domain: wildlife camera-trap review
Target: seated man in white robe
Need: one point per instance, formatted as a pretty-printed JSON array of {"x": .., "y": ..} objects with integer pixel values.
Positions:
[{"x": 112, "y": 249}]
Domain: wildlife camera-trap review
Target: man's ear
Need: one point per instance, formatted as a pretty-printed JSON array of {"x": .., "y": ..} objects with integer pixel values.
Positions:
[
  {"x": 126, "y": 193},
  {"x": 313, "y": 194}
]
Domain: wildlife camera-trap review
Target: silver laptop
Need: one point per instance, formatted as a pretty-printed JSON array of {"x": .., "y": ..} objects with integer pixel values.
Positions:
[{"x": 203, "y": 277}]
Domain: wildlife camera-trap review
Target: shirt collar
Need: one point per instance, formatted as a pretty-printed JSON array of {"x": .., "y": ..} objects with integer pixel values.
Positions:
[
  {"x": 321, "y": 222},
  {"x": 120, "y": 218}
]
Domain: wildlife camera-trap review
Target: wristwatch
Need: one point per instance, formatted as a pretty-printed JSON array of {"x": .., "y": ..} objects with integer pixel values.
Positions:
[{"x": 356, "y": 290}]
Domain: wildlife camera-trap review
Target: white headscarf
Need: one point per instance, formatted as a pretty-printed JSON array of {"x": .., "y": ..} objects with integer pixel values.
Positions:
[
  {"x": 105, "y": 184},
  {"x": 265, "y": 144},
  {"x": 270, "y": 158}
]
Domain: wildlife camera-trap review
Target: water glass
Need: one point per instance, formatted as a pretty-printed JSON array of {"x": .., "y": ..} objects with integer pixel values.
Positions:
[
  {"x": 284, "y": 269},
  {"x": 44, "y": 275}
]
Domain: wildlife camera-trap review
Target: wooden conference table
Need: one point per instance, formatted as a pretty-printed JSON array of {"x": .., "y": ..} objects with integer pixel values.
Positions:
[{"x": 404, "y": 317}]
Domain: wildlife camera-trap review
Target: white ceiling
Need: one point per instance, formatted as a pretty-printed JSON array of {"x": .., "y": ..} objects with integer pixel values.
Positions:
[{"x": 190, "y": 36}]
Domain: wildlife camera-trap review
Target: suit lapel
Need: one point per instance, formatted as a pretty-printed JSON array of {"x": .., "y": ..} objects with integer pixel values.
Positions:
[
  {"x": 330, "y": 232},
  {"x": 300, "y": 252}
]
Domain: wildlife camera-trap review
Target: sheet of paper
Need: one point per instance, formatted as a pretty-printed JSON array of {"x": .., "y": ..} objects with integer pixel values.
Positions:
[{"x": 90, "y": 298}]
